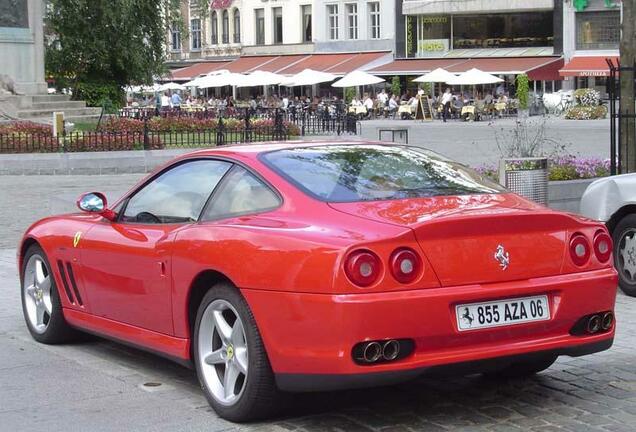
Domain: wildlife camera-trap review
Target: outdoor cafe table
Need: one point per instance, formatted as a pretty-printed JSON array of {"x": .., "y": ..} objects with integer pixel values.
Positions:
[
  {"x": 361, "y": 109},
  {"x": 405, "y": 109}
]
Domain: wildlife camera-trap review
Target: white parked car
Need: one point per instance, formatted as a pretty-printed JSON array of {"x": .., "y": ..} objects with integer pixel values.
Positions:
[{"x": 613, "y": 200}]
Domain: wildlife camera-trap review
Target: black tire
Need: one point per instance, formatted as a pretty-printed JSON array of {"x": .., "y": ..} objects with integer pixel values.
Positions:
[
  {"x": 260, "y": 398},
  {"x": 57, "y": 329},
  {"x": 523, "y": 368},
  {"x": 624, "y": 227}
]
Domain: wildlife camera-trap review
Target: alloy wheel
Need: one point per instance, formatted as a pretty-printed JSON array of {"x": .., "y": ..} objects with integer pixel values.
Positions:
[
  {"x": 223, "y": 353},
  {"x": 37, "y": 293}
]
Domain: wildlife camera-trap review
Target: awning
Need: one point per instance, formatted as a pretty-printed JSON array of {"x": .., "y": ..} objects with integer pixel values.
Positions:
[
  {"x": 414, "y": 66},
  {"x": 339, "y": 64},
  {"x": 547, "y": 72},
  {"x": 587, "y": 66},
  {"x": 492, "y": 65},
  {"x": 189, "y": 73}
]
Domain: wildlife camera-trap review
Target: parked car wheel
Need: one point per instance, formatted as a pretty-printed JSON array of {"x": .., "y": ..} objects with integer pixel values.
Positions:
[
  {"x": 230, "y": 358},
  {"x": 624, "y": 236},
  {"x": 524, "y": 368},
  {"x": 40, "y": 300}
]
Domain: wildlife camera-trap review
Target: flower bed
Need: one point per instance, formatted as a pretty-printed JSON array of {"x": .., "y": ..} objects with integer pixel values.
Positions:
[
  {"x": 586, "y": 113},
  {"x": 563, "y": 168}
]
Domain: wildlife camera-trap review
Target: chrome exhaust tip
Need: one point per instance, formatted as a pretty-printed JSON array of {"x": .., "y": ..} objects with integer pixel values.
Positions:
[
  {"x": 593, "y": 324},
  {"x": 390, "y": 350},
  {"x": 607, "y": 321},
  {"x": 372, "y": 352}
]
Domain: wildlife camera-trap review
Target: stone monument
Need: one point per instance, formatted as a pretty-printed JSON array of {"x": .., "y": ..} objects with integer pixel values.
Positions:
[{"x": 22, "y": 46}]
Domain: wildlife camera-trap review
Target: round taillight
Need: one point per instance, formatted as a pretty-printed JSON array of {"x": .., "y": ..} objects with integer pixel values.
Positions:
[
  {"x": 602, "y": 246},
  {"x": 363, "y": 267},
  {"x": 406, "y": 265},
  {"x": 579, "y": 249}
]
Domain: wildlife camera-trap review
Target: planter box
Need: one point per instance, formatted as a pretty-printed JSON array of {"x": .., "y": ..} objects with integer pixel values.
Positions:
[{"x": 566, "y": 195}]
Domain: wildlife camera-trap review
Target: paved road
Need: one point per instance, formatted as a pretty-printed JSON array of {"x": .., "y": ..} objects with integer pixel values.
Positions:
[
  {"x": 476, "y": 143},
  {"x": 99, "y": 385}
]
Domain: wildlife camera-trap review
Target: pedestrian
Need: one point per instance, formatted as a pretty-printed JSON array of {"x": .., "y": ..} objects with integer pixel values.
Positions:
[
  {"x": 176, "y": 101},
  {"x": 165, "y": 102},
  {"x": 447, "y": 97}
]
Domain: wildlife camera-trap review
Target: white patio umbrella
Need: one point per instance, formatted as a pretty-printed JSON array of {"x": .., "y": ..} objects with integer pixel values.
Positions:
[
  {"x": 357, "y": 78},
  {"x": 474, "y": 77},
  {"x": 438, "y": 75},
  {"x": 171, "y": 86},
  {"x": 261, "y": 78},
  {"x": 308, "y": 77},
  {"x": 221, "y": 80}
]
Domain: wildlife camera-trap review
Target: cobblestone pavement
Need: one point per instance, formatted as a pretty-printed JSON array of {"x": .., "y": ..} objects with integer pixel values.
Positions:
[{"x": 99, "y": 385}]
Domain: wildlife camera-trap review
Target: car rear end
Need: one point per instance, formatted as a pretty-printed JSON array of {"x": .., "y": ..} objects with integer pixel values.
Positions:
[{"x": 478, "y": 280}]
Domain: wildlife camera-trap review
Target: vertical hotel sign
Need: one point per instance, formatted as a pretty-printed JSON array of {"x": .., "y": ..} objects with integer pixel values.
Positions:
[{"x": 14, "y": 14}]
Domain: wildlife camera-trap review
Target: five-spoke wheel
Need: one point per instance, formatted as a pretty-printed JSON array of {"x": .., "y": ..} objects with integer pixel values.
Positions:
[
  {"x": 624, "y": 236},
  {"x": 230, "y": 358},
  {"x": 40, "y": 301}
]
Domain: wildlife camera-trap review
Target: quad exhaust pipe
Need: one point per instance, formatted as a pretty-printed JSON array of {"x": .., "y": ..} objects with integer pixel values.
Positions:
[{"x": 375, "y": 351}]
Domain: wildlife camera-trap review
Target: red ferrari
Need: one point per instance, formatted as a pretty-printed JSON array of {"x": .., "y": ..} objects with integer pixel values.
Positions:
[{"x": 305, "y": 267}]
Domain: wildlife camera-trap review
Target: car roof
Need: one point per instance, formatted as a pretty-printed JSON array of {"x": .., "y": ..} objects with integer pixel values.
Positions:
[{"x": 254, "y": 149}]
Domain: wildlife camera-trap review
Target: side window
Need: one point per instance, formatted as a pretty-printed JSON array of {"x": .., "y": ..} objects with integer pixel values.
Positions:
[
  {"x": 241, "y": 193},
  {"x": 178, "y": 195}
]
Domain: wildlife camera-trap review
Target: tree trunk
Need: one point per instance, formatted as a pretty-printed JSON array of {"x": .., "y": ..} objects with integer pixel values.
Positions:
[{"x": 627, "y": 102}]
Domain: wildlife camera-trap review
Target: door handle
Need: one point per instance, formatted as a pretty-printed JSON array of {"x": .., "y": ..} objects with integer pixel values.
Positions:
[{"x": 162, "y": 268}]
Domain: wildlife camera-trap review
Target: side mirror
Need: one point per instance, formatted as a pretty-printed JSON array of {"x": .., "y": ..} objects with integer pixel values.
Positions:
[{"x": 95, "y": 202}]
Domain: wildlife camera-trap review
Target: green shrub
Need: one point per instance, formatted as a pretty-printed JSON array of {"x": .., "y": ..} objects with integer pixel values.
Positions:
[
  {"x": 396, "y": 87},
  {"x": 107, "y": 95},
  {"x": 349, "y": 94},
  {"x": 523, "y": 90},
  {"x": 587, "y": 97}
]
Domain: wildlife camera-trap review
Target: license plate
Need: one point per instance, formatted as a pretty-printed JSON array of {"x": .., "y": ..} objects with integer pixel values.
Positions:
[{"x": 502, "y": 313}]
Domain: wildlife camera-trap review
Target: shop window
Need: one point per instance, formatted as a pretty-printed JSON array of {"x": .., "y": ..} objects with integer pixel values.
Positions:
[{"x": 598, "y": 30}]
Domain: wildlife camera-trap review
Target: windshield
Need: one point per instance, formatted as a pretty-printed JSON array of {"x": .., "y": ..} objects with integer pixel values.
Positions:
[{"x": 367, "y": 172}]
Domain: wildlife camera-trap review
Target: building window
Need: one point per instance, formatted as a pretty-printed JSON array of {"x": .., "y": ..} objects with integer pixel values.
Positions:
[
  {"x": 374, "y": 20},
  {"x": 260, "y": 26},
  {"x": 237, "y": 26},
  {"x": 175, "y": 38},
  {"x": 277, "y": 13},
  {"x": 352, "y": 20},
  {"x": 598, "y": 30},
  {"x": 214, "y": 28},
  {"x": 195, "y": 33},
  {"x": 332, "y": 17},
  {"x": 530, "y": 29},
  {"x": 306, "y": 21},
  {"x": 225, "y": 34}
]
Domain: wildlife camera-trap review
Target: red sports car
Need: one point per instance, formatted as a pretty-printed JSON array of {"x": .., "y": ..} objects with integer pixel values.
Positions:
[{"x": 304, "y": 267}]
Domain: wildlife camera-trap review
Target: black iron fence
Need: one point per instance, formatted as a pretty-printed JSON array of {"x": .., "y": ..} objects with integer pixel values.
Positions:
[
  {"x": 622, "y": 118},
  {"x": 319, "y": 119},
  {"x": 40, "y": 140}
]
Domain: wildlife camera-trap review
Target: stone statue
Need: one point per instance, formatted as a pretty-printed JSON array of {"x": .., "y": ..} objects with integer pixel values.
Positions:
[{"x": 7, "y": 85}]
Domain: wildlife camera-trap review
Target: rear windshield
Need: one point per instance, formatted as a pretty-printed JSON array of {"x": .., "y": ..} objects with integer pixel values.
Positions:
[{"x": 348, "y": 173}]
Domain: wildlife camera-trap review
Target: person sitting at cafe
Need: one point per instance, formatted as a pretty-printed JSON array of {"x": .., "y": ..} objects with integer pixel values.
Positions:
[
  {"x": 368, "y": 103},
  {"x": 393, "y": 105}
]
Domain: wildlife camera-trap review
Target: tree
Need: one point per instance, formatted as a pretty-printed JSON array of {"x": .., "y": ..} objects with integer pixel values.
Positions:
[
  {"x": 627, "y": 90},
  {"x": 98, "y": 47},
  {"x": 396, "y": 87}
]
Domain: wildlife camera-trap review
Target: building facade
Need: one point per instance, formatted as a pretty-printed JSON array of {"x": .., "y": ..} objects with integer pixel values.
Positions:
[
  {"x": 591, "y": 34},
  {"x": 355, "y": 25}
]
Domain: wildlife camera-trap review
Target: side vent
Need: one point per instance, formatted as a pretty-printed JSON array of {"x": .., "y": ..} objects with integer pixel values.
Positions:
[
  {"x": 60, "y": 267},
  {"x": 71, "y": 277}
]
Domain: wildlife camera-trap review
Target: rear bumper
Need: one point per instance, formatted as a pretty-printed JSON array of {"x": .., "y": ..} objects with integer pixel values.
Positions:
[
  {"x": 309, "y": 337},
  {"x": 325, "y": 382}
]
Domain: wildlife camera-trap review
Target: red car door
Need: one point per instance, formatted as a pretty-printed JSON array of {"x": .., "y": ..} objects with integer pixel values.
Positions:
[{"x": 127, "y": 263}]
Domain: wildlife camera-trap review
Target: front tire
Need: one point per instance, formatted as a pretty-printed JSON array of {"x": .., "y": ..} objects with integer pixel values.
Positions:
[
  {"x": 230, "y": 358},
  {"x": 624, "y": 237},
  {"x": 40, "y": 300}
]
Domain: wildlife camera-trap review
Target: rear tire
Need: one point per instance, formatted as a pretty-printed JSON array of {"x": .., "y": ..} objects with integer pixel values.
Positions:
[
  {"x": 624, "y": 237},
  {"x": 523, "y": 368},
  {"x": 228, "y": 349},
  {"x": 41, "y": 301}
]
